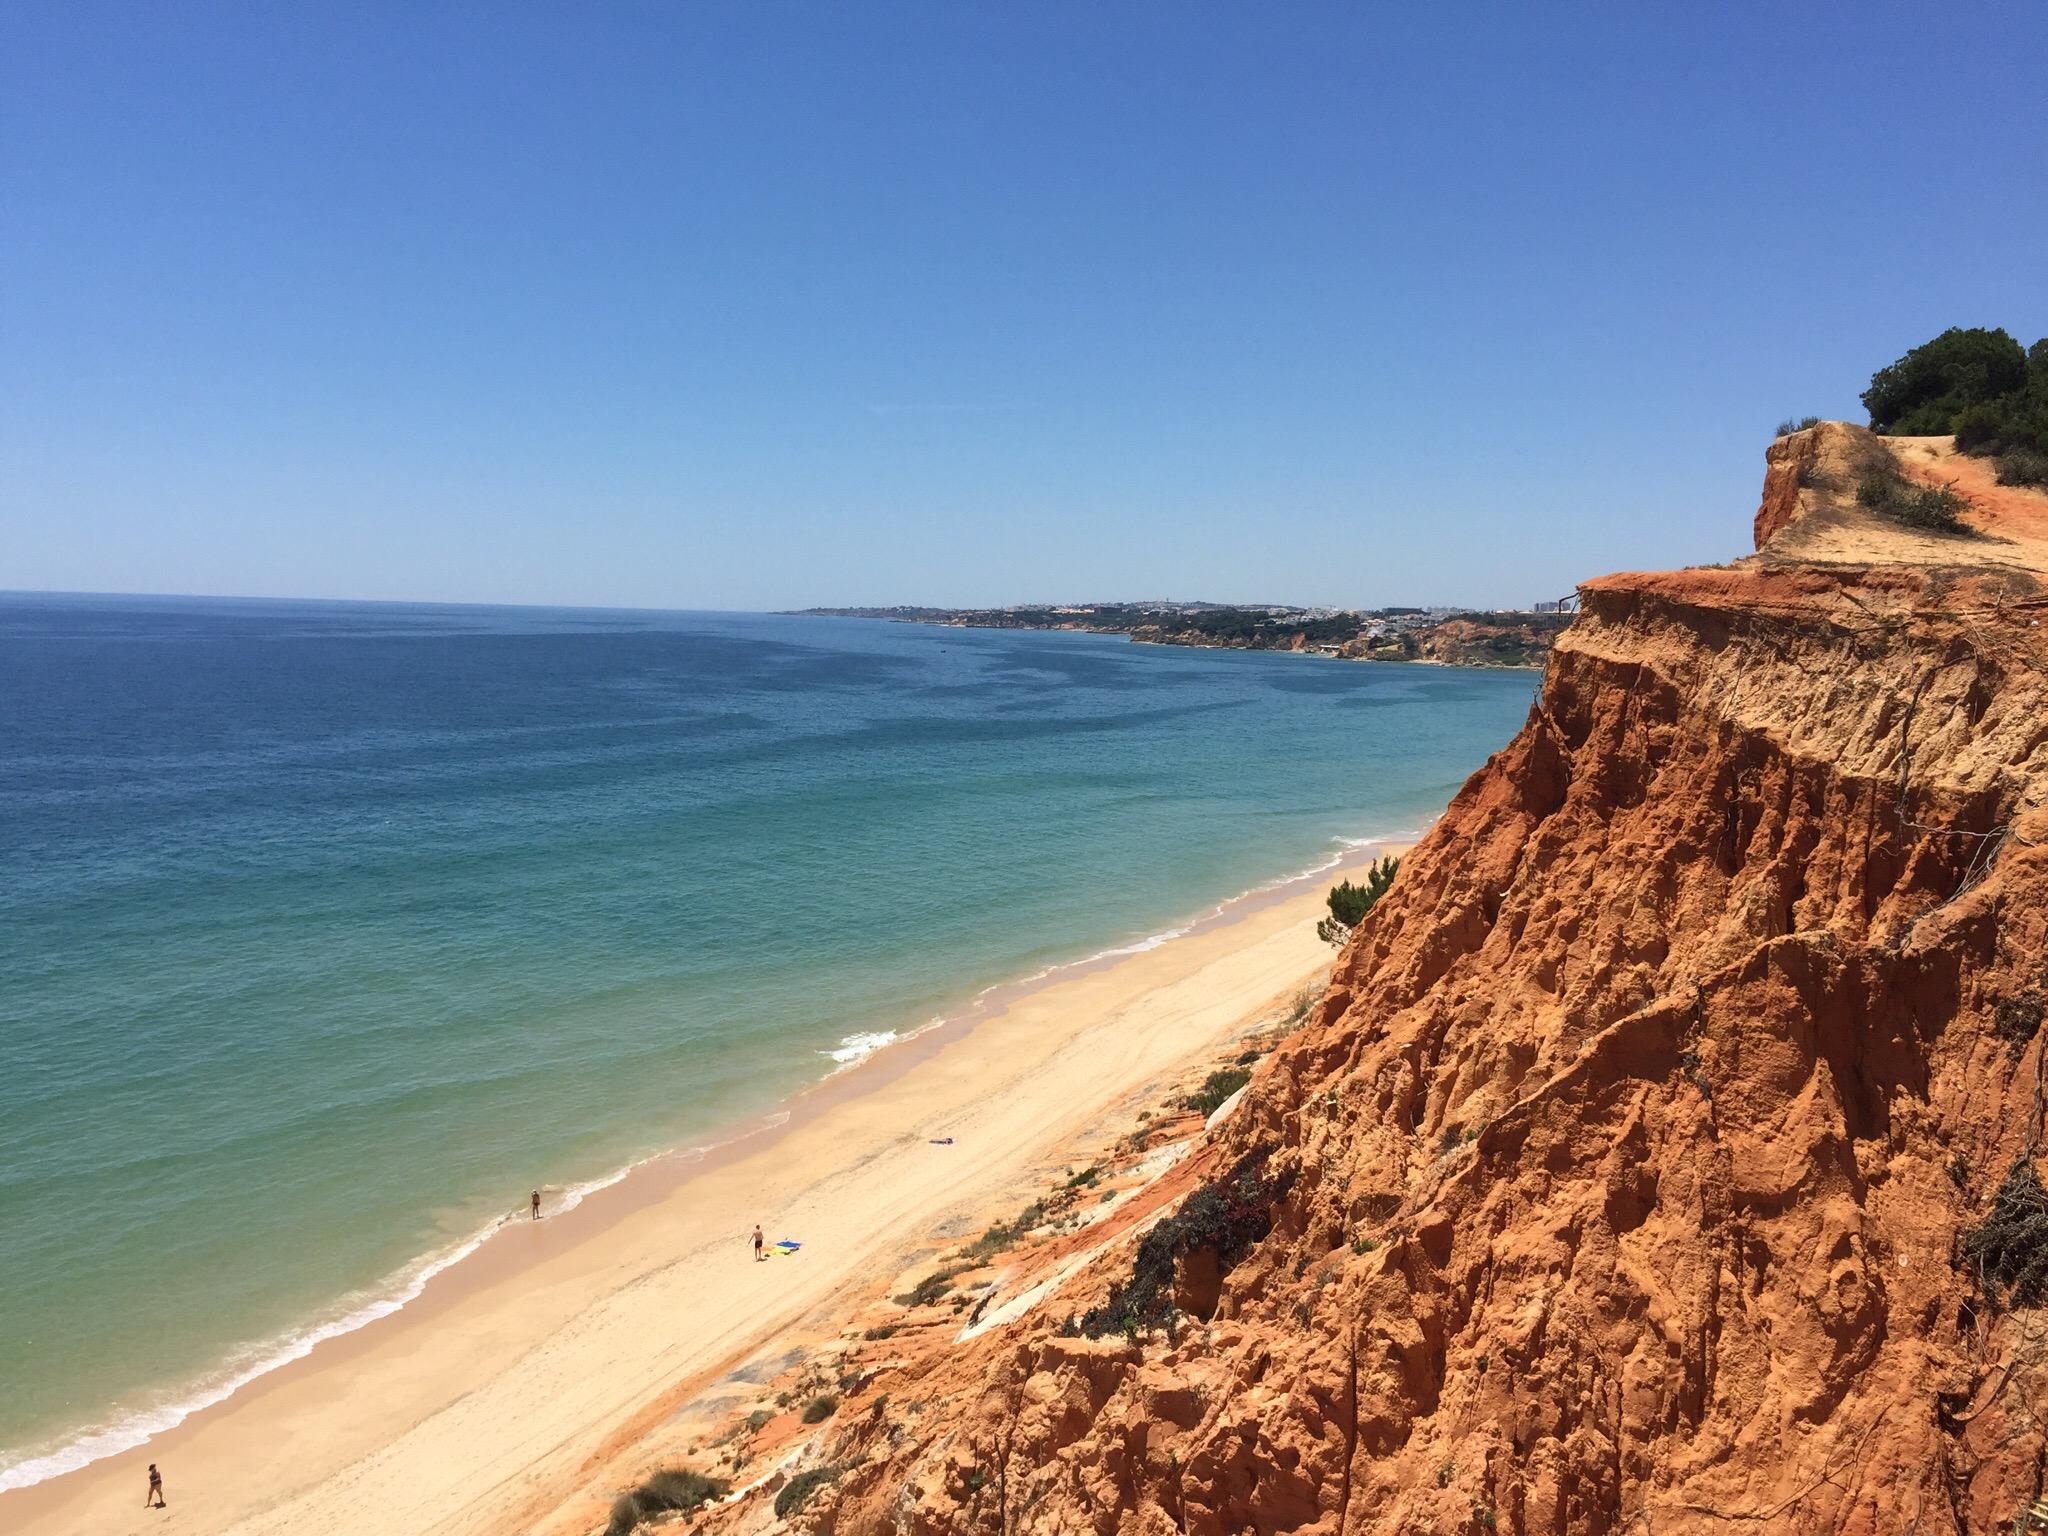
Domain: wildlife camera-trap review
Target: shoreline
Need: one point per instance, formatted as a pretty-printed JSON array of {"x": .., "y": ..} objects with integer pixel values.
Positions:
[
  {"x": 1171, "y": 641},
  {"x": 493, "y": 1259}
]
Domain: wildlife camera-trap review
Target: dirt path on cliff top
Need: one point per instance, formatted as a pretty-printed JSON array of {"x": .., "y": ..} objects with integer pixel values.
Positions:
[{"x": 2002, "y": 511}]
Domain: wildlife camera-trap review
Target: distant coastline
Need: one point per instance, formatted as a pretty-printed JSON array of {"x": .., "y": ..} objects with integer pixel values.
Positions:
[{"x": 1440, "y": 636}]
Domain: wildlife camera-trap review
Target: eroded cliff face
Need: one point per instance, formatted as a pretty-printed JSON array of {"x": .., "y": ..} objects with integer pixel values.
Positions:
[{"x": 1624, "y": 1166}]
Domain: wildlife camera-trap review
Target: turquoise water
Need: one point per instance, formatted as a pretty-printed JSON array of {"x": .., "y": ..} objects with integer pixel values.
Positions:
[{"x": 328, "y": 930}]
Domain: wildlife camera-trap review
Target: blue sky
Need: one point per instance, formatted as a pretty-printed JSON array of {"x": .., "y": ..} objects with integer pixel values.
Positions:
[{"x": 764, "y": 305}]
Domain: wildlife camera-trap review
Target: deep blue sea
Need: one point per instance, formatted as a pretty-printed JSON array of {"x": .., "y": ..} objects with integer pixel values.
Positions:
[{"x": 328, "y": 930}]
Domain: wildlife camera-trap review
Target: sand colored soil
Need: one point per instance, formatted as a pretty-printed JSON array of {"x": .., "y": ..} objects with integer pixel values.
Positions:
[
  {"x": 1810, "y": 516},
  {"x": 502, "y": 1391}
]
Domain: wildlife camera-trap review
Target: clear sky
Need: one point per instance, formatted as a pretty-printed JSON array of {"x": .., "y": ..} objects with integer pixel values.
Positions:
[{"x": 762, "y": 305}]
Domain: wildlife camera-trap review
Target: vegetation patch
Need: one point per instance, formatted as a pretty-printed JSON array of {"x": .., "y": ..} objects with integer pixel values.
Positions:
[
  {"x": 1979, "y": 385},
  {"x": 1931, "y": 509},
  {"x": 1219, "y": 1086},
  {"x": 2016, "y": 1020},
  {"x": 2009, "y": 1248},
  {"x": 930, "y": 1288},
  {"x": 1796, "y": 424},
  {"x": 1005, "y": 1234},
  {"x": 675, "y": 1489},
  {"x": 2023, "y": 466},
  {"x": 1227, "y": 1218},
  {"x": 820, "y": 1408},
  {"x": 1350, "y": 902},
  {"x": 796, "y": 1493}
]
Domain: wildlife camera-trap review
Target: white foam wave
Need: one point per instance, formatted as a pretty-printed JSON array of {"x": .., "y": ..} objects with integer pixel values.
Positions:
[{"x": 859, "y": 1047}]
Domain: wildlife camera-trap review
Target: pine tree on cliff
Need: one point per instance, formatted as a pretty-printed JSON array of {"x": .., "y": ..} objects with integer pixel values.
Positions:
[{"x": 1349, "y": 903}]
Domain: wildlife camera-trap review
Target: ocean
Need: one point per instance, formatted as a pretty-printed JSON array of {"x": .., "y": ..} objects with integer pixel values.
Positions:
[{"x": 329, "y": 930}]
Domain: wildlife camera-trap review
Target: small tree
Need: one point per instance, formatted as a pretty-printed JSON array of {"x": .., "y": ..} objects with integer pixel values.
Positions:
[
  {"x": 1921, "y": 393},
  {"x": 1349, "y": 903}
]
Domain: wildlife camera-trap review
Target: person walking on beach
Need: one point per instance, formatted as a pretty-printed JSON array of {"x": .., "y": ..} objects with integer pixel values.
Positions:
[
  {"x": 536, "y": 1205},
  {"x": 760, "y": 1243},
  {"x": 155, "y": 1496}
]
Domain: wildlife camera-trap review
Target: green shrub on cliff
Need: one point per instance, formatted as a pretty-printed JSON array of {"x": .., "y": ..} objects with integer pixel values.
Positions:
[
  {"x": 673, "y": 1489},
  {"x": 1350, "y": 902},
  {"x": 1932, "y": 509},
  {"x": 1225, "y": 1220},
  {"x": 1922, "y": 393},
  {"x": 2023, "y": 466},
  {"x": 1978, "y": 385},
  {"x": 820, "y": 1408},
  {"x": 1208, "y": 1098},
  {"x": 796, "y": 1493}
]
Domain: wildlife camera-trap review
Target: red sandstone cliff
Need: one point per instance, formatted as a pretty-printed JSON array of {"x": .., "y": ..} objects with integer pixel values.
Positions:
[{"x": 1618, "y": 1183}]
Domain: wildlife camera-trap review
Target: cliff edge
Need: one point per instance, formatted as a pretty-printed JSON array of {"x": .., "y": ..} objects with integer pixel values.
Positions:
[{"x": 1633, "y": 1171}]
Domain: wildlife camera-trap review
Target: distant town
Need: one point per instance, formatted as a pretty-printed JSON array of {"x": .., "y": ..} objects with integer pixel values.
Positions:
[{"x": 1446, "y": 636}]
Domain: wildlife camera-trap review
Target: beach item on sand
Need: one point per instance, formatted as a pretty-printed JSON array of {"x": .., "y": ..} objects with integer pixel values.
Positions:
[
  {"x": 787, "y": 1245},
  {"x": 942, "y": 1141}
]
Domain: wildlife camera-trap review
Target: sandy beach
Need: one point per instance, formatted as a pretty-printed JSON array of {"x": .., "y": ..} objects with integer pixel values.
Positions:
[{"x": 497, "y": 1393}]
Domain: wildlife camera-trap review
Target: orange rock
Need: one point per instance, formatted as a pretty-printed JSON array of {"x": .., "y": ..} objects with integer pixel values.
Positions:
[{"x": 1632, "y": 1146}]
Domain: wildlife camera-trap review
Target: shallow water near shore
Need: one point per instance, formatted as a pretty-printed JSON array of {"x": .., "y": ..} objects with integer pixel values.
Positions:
[{"x": 332, "y": 929}]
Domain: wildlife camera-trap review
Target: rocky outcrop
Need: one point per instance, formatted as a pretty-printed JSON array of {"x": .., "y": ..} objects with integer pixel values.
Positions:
[
  {"x": 1788, "y": 463},
  {"x": 1620, "y": 1180}
]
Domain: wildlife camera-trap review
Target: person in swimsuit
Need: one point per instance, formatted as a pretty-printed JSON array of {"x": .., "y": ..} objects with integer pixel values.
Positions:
[
  {"x": 536, "y": 1205},
  {"x": 760, "y": 1244},
  {"x": 155, "y": 1496}
]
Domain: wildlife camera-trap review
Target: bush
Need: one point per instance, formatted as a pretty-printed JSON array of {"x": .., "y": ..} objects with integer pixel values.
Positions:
[
  {"x": 2010, "y": 1247},
  {"x": 2016, "y": 1020},
  {"x": 1981, "y": 428},
  {"x": 1004, "y": 1234},
  {"x": 2023, "y": 466},
  {"x": 1227, "y": 1218},
  {"x": 1936, "y": 509},
  {"x": 1209, "y": 1098},
  {"x": 930, "y": 1289},
  {"x": 796, "y": 1493},
  {"x": 1790, "y": 425},
  {"x": 1349, "y": 903},
  {"x": 1922, "y": 393},
  {"x": 820, "y": 1408},
  {"x": 1932, "y": 509},
  {"x": 674, "y": 1488}
]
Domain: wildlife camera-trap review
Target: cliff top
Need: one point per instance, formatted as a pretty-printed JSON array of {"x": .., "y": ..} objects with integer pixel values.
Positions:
[{"x": 1810, "y": 513}]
